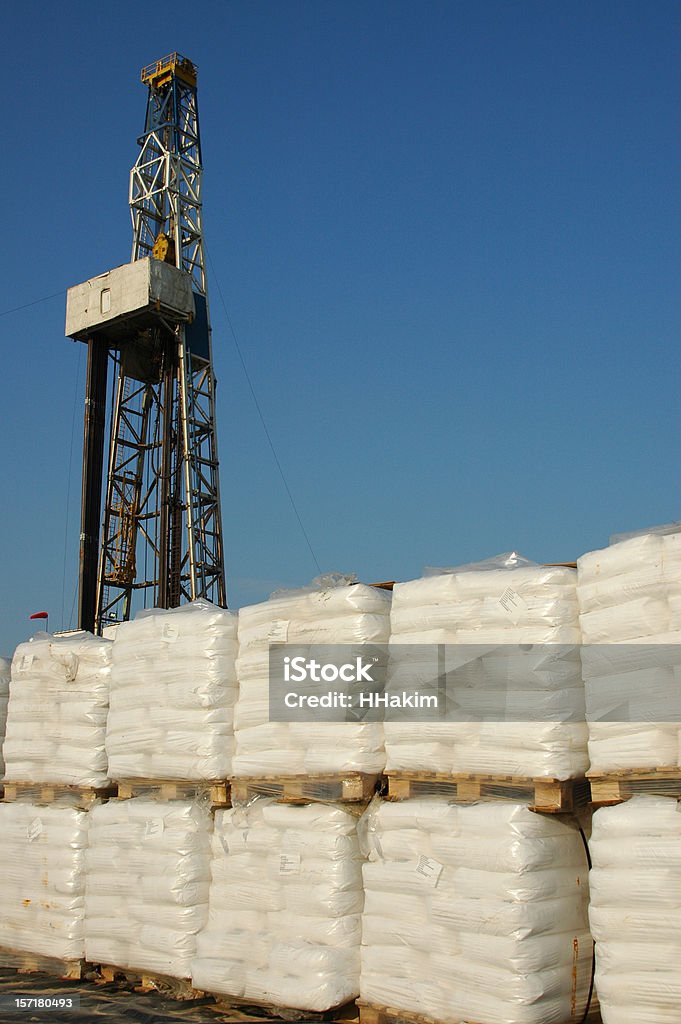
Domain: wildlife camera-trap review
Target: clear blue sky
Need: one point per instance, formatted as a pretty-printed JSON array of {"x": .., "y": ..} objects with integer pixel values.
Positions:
[{"x": 447, "y": 234}]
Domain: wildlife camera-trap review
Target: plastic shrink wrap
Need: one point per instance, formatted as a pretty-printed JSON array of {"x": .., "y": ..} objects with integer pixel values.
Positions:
[
  {"x": 42, "y": 882},
  {"x": 475, "y": 913},
  {"x": 635, "y": 908},
  {"x": 285, "y": 905},
  {"x": 147, "y": 884},
  {"x": 519, "y": 624},
  {"x": 56, "y": 716},
  {"x": 630, "y": 615},
  {"x": 173, "y": 691},
  {"x": 4, "y": 698},
  {"x": 354, "y": 614}
]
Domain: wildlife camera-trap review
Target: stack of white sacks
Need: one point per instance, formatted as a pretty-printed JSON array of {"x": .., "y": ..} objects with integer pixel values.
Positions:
[
  {"x": 635, "y": 908},
  {"x": 343, "y": 613},
  {"x": 514, "y": 633},
  {"x": 4, "y": 698},
  {"x": 285, "y": 904},
  {"x": 630, "y": 603},
  {"x": 56, "y": 716},
  {"x": 173, "y": 691},
  {"x": 475, "y": 913},
  {"x": 42, "y": 882},
  {"x": 56, "y": 724},
  {"x": 147, "y": 884}
]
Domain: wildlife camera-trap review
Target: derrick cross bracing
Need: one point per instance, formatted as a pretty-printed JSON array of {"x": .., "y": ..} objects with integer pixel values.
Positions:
[{"x": 161, "y": 527}]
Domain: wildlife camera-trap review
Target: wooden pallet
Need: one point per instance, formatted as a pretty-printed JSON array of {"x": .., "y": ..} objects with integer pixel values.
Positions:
[
  {"x": 345, "y": 787},
  {"x": 147, "y": 981},
  {"x": 371, "y": 1014},
  {"x": 551, "y": 796},
  {"x": 247, "y": 1010},
  {"x": 167, "y": 789},
  {"x": 34, "y": 963},
  {"x": 40, "y": 793},
  {"x": 614, "y": 787}
]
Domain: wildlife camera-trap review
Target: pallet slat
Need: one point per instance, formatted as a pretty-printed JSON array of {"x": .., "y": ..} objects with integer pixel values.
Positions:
[
  {"x": 42, "y": 793},
  {"x": 550, "y": 796},
  {"x": 614, "y": 787},
  {"x": 168, "y": 789},
  {"x": 147, "y": 981},
  {"x": 348, "y": 787}
]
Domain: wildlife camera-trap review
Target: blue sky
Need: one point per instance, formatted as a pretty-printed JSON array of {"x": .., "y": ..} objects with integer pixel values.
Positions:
[{"x": 447, "y": 234}]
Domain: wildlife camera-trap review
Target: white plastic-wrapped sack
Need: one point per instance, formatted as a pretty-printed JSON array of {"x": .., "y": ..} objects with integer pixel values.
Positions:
[
  {"x": 634, "y": 913},
  {"x": 42, "y": 882},
  {"x": 56, "y": 716},
  {"x": 285, "y": 906},
  {"x": 354, "y": 614},
  {"x": 475, "y": 913},
  {"x": 173, "y": 690},
  {"x": 630, "y": 614},
  {"x": 147, "y": 884},
  {"x": 520, "y": 626},
  {"x": 4, "y": 698}
]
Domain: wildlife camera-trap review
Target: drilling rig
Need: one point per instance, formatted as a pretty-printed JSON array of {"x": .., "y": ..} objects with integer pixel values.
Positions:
[{"x": 151, "y": 527}]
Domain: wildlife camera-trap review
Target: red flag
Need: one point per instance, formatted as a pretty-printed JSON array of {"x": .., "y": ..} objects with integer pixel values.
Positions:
[{"x": 39, "y": 615}]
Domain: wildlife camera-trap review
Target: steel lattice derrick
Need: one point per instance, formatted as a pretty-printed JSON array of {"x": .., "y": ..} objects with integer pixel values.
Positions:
[
  {"x": 162, "y": 535},
  {"x": 165, "y": 183}
]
